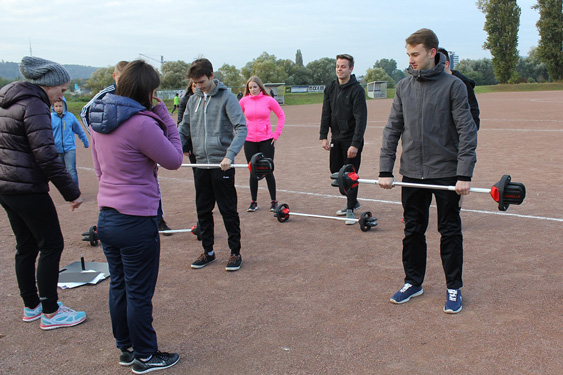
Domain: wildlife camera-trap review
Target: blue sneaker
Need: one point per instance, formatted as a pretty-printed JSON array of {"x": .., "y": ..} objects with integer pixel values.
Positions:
[
  {"x": 406, "y": 293},
  {"x": 29, "y": 315},
  {"x": 64, "y": 317},
  {"x": 453, "y": 302}
]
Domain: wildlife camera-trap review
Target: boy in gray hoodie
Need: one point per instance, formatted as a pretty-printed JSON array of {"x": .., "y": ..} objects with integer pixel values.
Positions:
[{"x": 214, "y": 130}]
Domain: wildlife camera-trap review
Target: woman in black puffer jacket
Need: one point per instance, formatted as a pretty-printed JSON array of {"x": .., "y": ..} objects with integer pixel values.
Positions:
[{"x": 28, "y": 161}]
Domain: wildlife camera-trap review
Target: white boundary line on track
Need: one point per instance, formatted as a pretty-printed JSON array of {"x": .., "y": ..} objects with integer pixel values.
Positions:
[
  {"x": 482, "y": 129},
  {"x": 500, "y": 213},
  {"x": 322, "y": 195}
]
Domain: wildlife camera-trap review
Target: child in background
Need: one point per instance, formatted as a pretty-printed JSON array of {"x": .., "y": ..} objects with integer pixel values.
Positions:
[
  {"x": 65, "y": 125},
  {"x": 176, "y": 102}
]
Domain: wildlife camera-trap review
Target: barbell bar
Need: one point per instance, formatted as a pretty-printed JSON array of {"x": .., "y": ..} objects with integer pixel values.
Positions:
[
  {"x": 503, "y": 192},
  {"x": 175, "y": 231},
  {"x": 366, "y": 220},
  {"x": 92, "y": 235},
  {"x": 259, "y": 166}
]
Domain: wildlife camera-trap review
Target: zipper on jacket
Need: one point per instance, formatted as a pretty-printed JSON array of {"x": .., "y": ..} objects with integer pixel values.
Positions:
[
  {"x": 422, "y": 92},
  {"x": 205, "y": 104},
  {"x": 62, "y": 135}
]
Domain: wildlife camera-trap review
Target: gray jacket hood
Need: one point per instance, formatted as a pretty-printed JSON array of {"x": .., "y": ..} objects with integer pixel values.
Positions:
[
  {"x": 214, "y": 126},
  {"x": 430, "y": 74},
  {"x": 218, "y": 86}
]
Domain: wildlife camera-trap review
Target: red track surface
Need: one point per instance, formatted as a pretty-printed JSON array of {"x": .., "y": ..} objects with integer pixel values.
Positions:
[{"x": 313, "y": 295}]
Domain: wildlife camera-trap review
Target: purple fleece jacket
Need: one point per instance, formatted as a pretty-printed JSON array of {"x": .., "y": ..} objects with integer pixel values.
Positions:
[{"x": 126, "y": 158}]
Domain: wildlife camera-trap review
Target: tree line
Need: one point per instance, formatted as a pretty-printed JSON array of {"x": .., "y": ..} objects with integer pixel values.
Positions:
[
  {"x": 544, "y": 63},
  {"x": 502, "y": 20},
  {"x": 528, "y": 69}
]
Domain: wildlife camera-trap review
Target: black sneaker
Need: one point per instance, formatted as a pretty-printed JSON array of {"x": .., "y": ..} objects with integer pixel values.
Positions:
[
  {"x": 234, "y": 263},
  {"x": 273, "y": 206},
  {"x": 158, "y": 361},
  {"x": 203, "y": 260},
  {"x": 126, "y": 358},
  {"x": 163, "y": 227},
  {"x": 253, "y": 206}
]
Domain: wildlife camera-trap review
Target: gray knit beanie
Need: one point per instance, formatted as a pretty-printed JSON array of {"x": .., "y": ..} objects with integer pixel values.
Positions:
[{"x": 43, "y": 72}]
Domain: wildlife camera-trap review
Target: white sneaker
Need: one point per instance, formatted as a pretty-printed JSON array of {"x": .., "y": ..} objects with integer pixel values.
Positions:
[
  {"x": 343, "y": 211},
  {"x": 351, "y": 219}
]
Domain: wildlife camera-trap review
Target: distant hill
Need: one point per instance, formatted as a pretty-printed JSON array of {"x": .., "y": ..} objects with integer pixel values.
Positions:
[{"x": 10, "y": 70}]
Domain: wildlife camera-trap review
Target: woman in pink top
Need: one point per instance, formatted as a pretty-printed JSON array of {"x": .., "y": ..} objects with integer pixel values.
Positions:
[{"x": 257, "y": 105}]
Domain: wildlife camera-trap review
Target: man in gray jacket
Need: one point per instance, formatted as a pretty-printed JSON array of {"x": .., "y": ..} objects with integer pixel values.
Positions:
[
  {"x": 430, "y": 114},
  {"x": 214, "y": 130}
]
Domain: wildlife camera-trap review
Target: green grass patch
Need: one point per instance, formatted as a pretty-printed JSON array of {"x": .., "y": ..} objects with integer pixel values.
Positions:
[
  {"x": 317, "y": 97},
  {"x": 304, "y": 98},
  {"x": 75, "y": 105},
  {"x": 520, "y": 87}
]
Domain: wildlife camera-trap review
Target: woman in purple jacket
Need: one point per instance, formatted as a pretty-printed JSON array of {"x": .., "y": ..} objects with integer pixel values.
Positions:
[{"x": 130, "y": 137}]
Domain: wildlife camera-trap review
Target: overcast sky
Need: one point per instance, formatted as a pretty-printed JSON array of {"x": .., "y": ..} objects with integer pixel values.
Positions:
[{"x": 100, "y": 33}]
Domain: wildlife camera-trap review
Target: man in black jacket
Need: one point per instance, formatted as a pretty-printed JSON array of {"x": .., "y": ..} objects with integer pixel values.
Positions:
[
  {"x": 345, "y": 114},
  {"x": 469, "y": 83}
]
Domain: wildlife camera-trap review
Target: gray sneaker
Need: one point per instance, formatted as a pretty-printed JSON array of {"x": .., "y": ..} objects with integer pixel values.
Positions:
[
  {"x": 351, "y": 219},
  {"x": 343, "y": 211}
]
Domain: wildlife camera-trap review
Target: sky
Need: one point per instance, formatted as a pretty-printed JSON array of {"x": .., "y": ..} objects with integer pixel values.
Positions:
[{"x": 100, "y": 33}]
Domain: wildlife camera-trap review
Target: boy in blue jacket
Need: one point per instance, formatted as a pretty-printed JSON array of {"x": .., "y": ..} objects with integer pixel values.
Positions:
[{"x": 65, "y": 125}]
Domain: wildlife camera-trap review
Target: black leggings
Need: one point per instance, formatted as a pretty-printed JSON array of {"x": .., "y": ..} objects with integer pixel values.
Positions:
[
  {"x": 35, "y": 224},
  {"x": 267, "y": 148}
]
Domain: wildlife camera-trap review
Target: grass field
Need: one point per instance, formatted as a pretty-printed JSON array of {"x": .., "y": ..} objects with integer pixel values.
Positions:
[{"x": 555, "y": 86}]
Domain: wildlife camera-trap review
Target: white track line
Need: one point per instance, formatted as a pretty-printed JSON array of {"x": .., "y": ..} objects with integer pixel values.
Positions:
[
  {"x": 484, "y": 128},
  {"x": 500, "y": 213},
  {"x": 321, "y": 195}
]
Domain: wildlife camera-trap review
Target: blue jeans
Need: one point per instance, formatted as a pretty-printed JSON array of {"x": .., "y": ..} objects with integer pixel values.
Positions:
[
  {"x": 69, "y": 160},
  {"x": 132, "y": 248}
]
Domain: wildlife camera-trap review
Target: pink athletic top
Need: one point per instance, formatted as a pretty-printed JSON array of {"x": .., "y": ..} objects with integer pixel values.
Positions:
[{"x": 257, "y": 111}]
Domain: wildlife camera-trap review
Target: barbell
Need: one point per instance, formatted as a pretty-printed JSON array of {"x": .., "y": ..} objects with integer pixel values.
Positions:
[
  {"x": 503, "y": 192},
  {"x": 366, "y": 220},
  {"x": 260, "y": 166},
  {"x": 92, "y": 234}
]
